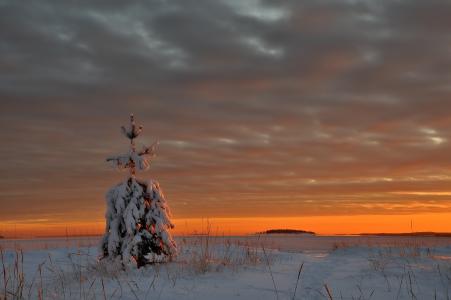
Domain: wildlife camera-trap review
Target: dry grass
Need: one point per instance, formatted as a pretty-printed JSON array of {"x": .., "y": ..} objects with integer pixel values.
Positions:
[
  {"x": 13, "y": 276},
  {"x": 206, "y": 253},
  {"x": 82, "y": 276},
  {"x": 407, "y": 258}
]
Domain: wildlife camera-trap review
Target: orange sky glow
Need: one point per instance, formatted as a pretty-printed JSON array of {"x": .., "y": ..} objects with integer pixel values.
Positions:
[
  {"x": 323, "y": 225},
  {"x": 273, "y": 114}
]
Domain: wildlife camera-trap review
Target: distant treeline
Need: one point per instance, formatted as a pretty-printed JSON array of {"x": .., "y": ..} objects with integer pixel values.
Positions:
[
  {"x": 432, "y": 234},
  {"x": 291, "y": 231}
]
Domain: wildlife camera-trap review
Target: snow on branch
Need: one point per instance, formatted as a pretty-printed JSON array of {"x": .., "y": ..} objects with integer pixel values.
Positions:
[
  {"x": 140, "y": 160},
  {"x": 149, "y": 150},
  {"x": 120, "y": 161},
  {"x": 132, "y": 131}
]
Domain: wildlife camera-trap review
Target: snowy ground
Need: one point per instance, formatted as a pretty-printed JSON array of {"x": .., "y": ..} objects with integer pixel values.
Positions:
[{"x": 237, "y": 267}]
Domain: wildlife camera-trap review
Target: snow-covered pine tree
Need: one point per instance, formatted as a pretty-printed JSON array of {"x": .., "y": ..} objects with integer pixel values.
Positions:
[{"x": 137, "y": 216}]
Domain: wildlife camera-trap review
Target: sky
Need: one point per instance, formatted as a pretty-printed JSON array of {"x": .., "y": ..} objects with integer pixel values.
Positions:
[{"x": 268, "y": 113}]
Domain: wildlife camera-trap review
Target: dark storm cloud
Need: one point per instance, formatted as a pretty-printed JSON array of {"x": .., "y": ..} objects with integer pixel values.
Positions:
[{"x": 258, "y": 105}]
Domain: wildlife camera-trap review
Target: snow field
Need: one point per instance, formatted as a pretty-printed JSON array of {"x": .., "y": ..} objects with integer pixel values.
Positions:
[{"x": 210, "y": 267}]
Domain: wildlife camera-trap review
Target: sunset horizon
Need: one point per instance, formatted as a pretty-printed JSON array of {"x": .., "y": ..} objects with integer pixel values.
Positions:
[{"x": 320, "y": 225}]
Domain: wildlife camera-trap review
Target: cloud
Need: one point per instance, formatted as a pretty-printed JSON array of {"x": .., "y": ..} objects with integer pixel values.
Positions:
[{"x": 257, "y": 104}]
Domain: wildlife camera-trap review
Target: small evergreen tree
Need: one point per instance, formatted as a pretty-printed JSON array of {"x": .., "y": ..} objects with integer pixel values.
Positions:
[{"x": 137, "y": 216}]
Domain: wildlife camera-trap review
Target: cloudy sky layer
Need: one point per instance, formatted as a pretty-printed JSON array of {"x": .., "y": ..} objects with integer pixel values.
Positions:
[{"x": 287, "y": 108}]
